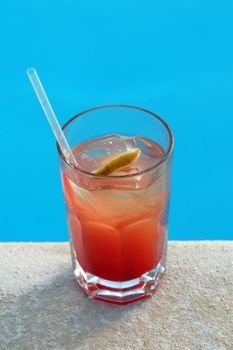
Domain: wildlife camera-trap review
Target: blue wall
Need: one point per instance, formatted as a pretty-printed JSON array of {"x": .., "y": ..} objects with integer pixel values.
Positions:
[{"x": 173, "y": 57}]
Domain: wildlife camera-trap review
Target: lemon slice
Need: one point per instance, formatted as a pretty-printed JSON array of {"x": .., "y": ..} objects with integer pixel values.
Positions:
[{"x": 119, "y": 161}]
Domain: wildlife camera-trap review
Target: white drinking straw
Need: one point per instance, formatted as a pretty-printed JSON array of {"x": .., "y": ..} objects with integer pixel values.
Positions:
[{"x": 48, "y": 110}]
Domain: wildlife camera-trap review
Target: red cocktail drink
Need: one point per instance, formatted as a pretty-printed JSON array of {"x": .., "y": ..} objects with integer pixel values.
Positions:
[{"x": 118, "y": 222}]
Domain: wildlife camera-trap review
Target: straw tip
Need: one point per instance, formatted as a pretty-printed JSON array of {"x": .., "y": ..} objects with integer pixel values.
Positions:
[{"x": 31, "y": 71}]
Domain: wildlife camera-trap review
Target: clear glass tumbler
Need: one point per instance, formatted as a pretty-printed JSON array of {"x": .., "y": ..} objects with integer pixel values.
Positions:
[{"x": 118, "y": 224}]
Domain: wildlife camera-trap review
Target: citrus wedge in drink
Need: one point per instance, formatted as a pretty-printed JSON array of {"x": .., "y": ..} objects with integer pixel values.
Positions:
[{"x": 118, "y": 162}]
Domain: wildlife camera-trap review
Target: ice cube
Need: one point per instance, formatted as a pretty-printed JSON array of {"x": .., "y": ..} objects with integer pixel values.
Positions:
[
  {"x": 149, "y": 147},
  {"x": 151, "y": 153},
  {"x": 90, "y": 156},
  {"x": 110, "y": 146},
  {"x": 86, "y": 162}
]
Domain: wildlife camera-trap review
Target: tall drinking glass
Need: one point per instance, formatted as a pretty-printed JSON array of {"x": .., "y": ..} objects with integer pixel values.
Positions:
[{"x": 118, "y": 222}]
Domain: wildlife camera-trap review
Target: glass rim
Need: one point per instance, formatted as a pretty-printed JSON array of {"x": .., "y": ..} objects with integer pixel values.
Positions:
[{"x": 153, "y": 167}]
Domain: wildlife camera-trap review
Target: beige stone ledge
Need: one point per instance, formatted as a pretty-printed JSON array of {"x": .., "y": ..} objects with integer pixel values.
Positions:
[{"x": 42, "y": 307}]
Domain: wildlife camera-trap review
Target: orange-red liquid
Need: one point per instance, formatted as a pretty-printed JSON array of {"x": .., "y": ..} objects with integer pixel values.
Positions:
[{"x": 111, "y": 240}]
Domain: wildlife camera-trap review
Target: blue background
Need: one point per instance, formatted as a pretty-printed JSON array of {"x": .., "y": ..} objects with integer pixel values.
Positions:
[{"x": 173, "y": 57}]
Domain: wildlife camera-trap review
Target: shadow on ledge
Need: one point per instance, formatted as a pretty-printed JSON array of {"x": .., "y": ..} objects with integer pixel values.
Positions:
[{"x": 57, "y": 315}]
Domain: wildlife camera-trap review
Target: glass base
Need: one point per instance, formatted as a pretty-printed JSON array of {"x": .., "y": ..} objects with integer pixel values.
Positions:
[{"x": 119, "y": 292}]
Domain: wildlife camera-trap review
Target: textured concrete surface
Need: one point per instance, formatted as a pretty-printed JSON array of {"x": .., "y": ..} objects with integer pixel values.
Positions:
[{"x": 42, "y": 307}]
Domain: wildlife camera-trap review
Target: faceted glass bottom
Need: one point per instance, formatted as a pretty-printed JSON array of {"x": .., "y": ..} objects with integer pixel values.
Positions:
[{"x": 119, "y": 292}]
